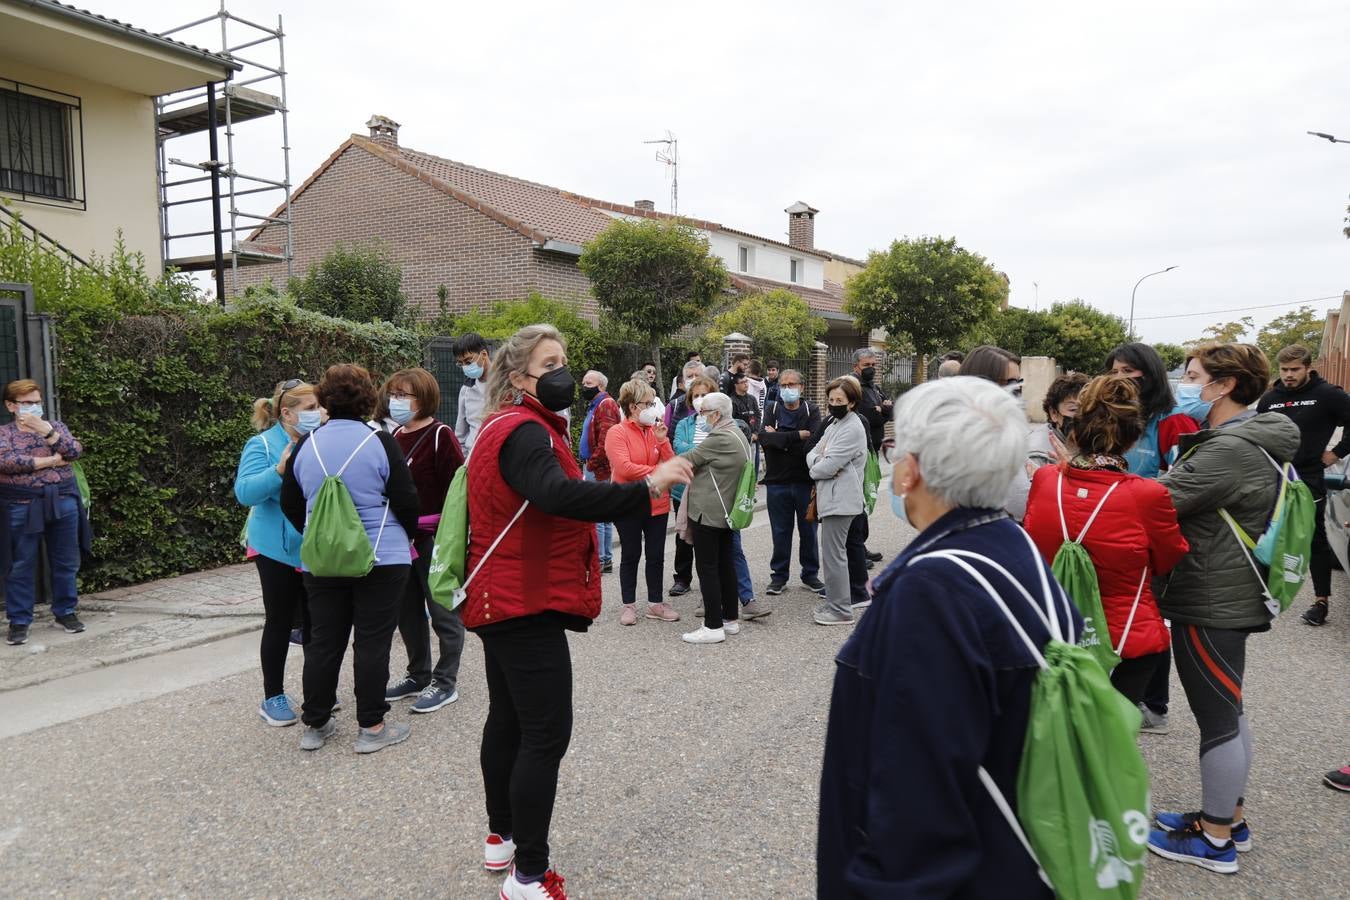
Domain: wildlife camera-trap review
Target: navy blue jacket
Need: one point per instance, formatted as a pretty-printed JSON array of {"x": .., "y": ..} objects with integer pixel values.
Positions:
[{"x": 931, "y": 685}]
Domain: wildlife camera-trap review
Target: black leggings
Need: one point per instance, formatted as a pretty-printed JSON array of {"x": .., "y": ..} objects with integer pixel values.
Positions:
[
  {"x": 1133, "y": 675},
  {"x": 714, "y": 558},
  {"x": 634, "y": 533},
  {"x": 283, "y": 596},
  {"x": 684, "y": 554}
]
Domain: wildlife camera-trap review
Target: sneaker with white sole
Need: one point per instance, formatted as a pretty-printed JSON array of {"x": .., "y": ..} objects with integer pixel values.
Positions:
[
  {"x": 859, "y": 605},
  {"x": 1242, "y": 832},
  {"x": 550, "y": 887},
  {"x": 775, "y": 588},
  {"x": 1153, "y": 722},
  {"x": 755, "y": 609},
  {"x": 433, "y": 697},
  {"x": 368, "y": 741},
  {"x": 824, "y": 614},
  {"x": 731, "y": 627},
  {"x": 1190, "y": 845},
  {"x": 313, "y": 738},
  {"x": 498, "y": 853},
  {"x": 704, "y": 635},
  {"x": 408, "y": 687},
  {"x": 662, "y": 612},
  {"x": 277, "y": 711}
]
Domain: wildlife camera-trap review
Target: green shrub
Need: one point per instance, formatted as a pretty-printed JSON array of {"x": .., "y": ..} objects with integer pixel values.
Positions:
[{"x": 362, "y": 283}]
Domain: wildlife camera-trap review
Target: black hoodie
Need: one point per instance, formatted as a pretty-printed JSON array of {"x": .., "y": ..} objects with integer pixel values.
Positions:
[{"x": 1317, "y": 408}]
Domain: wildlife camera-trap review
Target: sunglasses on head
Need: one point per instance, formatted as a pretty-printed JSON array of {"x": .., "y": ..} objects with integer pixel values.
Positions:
[{"x": 285, "y": 386}]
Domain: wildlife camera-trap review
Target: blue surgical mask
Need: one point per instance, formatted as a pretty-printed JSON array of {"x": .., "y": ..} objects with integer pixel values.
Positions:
[
  {"x": 400, "y": 410},
  {"x": 472, "y": 371},
  {"x": 307, "y": 420},
  {"x": 898, "y": 507},
  {"x": 790, "y": 395},
  {"x": 31, "y": 409},
  {"x": 1189, "y": 402},
  {"x": 701, "y": 423}
]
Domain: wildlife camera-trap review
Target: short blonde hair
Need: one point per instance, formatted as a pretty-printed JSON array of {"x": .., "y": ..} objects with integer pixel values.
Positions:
[{"x": 634, "y": 392}]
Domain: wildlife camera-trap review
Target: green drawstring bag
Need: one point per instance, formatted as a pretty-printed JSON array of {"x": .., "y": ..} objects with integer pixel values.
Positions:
[
  {"x": 81, "y": 484},
  {"x": 335, "y": 544},
  {"x": 871, "y": 481},
  {"x": 742, "y": 510},
  {"x": 1075, "y": 572},
  {"x": 1284, "y": 549},
  {"x": 1082, "y": 785}
]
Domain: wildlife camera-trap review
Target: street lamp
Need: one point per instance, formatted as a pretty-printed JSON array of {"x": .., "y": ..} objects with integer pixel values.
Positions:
[
  {"x": 1328, "y": 137},
  {"x": 1136, "y": 287}
]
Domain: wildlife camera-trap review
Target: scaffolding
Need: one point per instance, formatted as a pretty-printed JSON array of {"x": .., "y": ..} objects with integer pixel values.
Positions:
[{"x": 255, "y": 94}]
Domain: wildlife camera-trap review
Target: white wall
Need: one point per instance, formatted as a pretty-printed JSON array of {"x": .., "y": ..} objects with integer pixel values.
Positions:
[{"x": 767, "y": 260}]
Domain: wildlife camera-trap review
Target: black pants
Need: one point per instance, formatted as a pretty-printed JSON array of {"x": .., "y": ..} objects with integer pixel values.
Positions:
[
  {"x": 1132, "y": 676},
  {"x": 684, "y": 554},
  {"x": 713, "y": 555},
  {"x": 634, "y": 532},
  {"x": 855, "y": 546},
  {"x": 528, "y": 728},
  {"x": 1319, "y": 561},
  {"x": 367, "y": 606},
  {"x": 412, "y": 625},
  {"x": 283, "y": 596}
]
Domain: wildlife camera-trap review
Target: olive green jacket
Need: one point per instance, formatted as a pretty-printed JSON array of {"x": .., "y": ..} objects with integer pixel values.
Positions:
[
  {"x": 718, "y": 462},
  {"x": 1214, "y": 584}
]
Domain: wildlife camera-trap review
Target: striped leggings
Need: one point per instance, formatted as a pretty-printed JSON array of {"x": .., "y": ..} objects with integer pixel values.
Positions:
[{"x": 1210, "y": 663}]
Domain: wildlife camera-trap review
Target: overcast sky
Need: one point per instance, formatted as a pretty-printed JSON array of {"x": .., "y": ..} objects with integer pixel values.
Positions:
[{"x": 1074, "y": 147}]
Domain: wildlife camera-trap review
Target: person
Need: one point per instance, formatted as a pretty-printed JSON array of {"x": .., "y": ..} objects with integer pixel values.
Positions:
[
  {"x": 789, "y": 422},
  {"x": 935, "y": 682},
  {"x": 875, "y": 408},
  {"x": 471, "y": 352},
  {"x": 688, "y": 435},
  {"x": 836, "y": 466},
  {"x": 1005, "y": 370},
  {"x": 635, "y": 448},
  {"x": 713, "y": 373},
  {"x": 756, "y": 386},
  {"x": 693, "y": 363},
  {"x": 1214, "y": 598},
  {"x": 1047, "y": 441},
  {"x": 377, "y": 480},
  {"x": 740, "y": 364},
  {"x": 649, "y": 372},
  {"x": 949, "y": 368},
  {"x": 717, "y": 460},
  {"x": 433, "y": 456},
  {"x": 42, "y": 502},
  {"x": 273, "y": 543},
  {"x": 772, "y": 370},
  {"x": 537, "y": 577},
  {"x": 679, "y": 407},
  {"x": 602, "y": 414},
  {"x": 382, "y": 419},
  {"x": 1318, "y": 408},
  {"x": 743, "y": 404},
  {"x": 1125, "y": 522}
]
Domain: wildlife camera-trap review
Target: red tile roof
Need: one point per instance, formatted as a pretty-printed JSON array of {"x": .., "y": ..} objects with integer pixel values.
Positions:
[{"x": 821, "y": 301}]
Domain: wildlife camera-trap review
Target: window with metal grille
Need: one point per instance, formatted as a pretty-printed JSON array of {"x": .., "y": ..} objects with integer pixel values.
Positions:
[{"x": 40, "y": 144}]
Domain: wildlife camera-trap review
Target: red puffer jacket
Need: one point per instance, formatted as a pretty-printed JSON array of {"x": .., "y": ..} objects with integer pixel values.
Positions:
[
  {"x": 1136, "y": 528},
  {"x": 544, "y": 562}
]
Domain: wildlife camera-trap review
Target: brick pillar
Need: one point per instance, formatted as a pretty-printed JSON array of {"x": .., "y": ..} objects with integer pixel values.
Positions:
[
  {"x": 920, "y": 370},
  {"x": 816, "y": 377},
  {"x": 734, "y": 343}
]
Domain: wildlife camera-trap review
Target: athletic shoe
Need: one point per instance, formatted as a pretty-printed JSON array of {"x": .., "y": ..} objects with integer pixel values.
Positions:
[
  {"x": 606, "y": 566},
  {"x": 277, "y": 711},
  {"x": 815, "y": 584},
  {"x": 755, "y": 610},
  {"x": 775, "y": 588},
  {"x": 337, "y": 705},
  {"x": 871, "y": 565},
  {"x": 368, "y": 741},
  {"x": 1316, "y": 614},
  {"x": 873, "y": 557},
  {"x": 71, "y": 623},
  {"x": 549, "y": 888},
  {"x": 629, "y": 614},
  {"x": 1242, "y": 833},
  {"x": 699, "y": 612},
  {"x": 498, "y": 852},
  {"x": 298, "y": 636},
  {"x": 1189, "y": 845},
  {"x": 662, "y": 612},
  {"x": 860, "y": 605},
  {"x": 408, "y": 687},
  {"x": 18, "y": 634},
  {"x": 704, "y": 635},
  {"x": 432, "y": 698},
  {"x": 1153, "y": 722},
  {"x": 824, "y": 614},
  {"x": 1339, "y": 779},
  {"x": 731, "y": 627},
  {"x": 313, "y": 738},
  {"x": 677, "y": 589}
]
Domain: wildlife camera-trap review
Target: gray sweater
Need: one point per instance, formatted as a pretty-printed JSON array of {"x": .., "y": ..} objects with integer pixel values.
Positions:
[{"x": 837, "y": 463}]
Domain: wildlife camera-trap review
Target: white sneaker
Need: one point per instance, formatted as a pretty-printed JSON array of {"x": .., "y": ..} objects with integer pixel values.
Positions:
[
  {"x": 731, "y": 627},
  {"x": 704, "y": 635},
  {"x": 498, "y": 852},
  {"x": 550, "y": 888}
]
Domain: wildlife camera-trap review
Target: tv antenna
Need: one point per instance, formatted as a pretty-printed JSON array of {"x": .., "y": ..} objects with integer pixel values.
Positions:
[{"x": 671, "y": 157}]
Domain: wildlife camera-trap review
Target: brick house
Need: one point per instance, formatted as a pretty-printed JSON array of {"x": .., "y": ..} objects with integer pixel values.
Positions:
[{"x": 485, "y": 236}]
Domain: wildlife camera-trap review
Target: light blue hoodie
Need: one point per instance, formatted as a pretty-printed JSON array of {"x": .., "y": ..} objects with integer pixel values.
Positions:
[{"x": 257, "y": 485}]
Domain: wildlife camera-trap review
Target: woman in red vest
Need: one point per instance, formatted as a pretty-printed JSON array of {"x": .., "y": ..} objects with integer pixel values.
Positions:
[
  {"x": 535, "y": 576},
  {"x": 1125, "y": 522}
]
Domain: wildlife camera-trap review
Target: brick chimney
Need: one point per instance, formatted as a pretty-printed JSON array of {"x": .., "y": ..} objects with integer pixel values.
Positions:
[
  {"x": 648, "y": 205},
  {"x": 383, "y": 130},
  {"x": 802, "y": 225}
]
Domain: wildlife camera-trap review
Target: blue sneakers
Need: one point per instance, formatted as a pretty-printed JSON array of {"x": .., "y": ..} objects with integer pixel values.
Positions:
[
  {"x": 277, "y": 711},
  {"x": 1242, "y": 834},
  {"x": 1189, "y": 845}
]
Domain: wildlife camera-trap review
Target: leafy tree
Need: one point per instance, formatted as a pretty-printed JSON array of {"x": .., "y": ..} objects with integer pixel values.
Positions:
[
  {"x": 1085, "y": 335},
  {"x": 1172, "y": 355},
  {"x": 362, "y": 283},
  {"x": 1228, "y": 332},
  {"x": 779, "y": 322},
  {"x": 929, "y": 290},
  {"x": 653, "y": 276},
  {"x": 1019, "y": 331},
  {"x": 1302, "y": 326}
]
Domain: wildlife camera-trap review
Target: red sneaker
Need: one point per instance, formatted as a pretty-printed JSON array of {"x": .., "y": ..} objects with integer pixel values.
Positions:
[
  {"x": 498, "y": 852},
  {"x": 550, "y": 888}
]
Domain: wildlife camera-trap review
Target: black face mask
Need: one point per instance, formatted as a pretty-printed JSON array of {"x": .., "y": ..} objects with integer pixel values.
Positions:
[
  {"x": 589, "y": 394},
  {"x": 868, "y": 374},
  {"x": 555, "y": 390},
  {"x": 839, "y": 410}
]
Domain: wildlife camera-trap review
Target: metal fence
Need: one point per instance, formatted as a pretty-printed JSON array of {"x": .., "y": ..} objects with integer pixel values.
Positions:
[
  {"x": 893, "y": 370},
  {"x": 441, "y": 362}
]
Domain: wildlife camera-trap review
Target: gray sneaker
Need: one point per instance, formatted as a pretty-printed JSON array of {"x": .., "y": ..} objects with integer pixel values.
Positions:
[
  {"x": 392, "y": 733},
  {"x": 434, "y": 697},
  {"x": 825, "y": 614},
  {"x": 1154, "y": 723},
  {"x": 755, "y": 610},
  {"x": 314, "y": 738}
]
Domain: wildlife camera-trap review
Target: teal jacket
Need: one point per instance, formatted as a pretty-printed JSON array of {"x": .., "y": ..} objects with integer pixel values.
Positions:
[
  {"x": 257, "y": 485},
  {"x": 683, "y": 442}
]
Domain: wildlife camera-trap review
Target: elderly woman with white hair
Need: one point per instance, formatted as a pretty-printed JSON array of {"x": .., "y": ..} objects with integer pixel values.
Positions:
[{"x": 935, "y": 682}]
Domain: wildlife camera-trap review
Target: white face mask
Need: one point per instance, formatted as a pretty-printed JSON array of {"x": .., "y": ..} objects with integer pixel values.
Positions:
[
  {"x": 698, "y": 403},
  {"x": 650, "y": 415}
]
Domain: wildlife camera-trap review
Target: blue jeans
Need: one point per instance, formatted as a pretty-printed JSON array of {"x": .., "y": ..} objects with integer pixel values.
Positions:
[
  {"x": 63, "y": 554},
  {"x": 745, "y": 588},
  {"x": 604, "y": 531},
  {"x": 787, "y": 507}
]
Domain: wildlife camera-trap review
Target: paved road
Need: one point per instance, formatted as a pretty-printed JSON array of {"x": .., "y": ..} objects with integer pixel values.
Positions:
[{"x": 693, "y": 772}]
